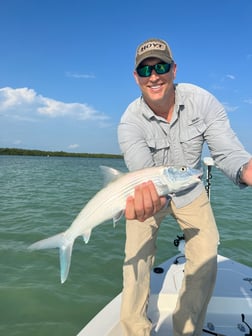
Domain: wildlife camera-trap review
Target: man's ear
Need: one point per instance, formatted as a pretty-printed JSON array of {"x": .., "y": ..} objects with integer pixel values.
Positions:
[
  {"x": 136, "y": 77},
  {"x": 174, "y": 70}
]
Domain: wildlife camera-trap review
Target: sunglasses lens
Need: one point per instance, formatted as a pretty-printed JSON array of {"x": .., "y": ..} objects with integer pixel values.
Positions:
[
  {"x": 144, "y": 71},
  {"x": 160, "y": 68}
]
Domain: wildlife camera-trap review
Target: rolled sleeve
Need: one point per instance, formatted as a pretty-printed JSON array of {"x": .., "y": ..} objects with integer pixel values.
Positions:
[{"x": 226, "y": 149}]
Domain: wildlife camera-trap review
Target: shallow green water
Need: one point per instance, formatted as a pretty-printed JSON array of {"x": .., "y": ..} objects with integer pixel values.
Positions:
[{"x": 40, "y": 196}]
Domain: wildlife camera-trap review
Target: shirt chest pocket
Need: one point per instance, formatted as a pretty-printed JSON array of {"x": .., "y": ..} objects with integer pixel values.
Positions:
[
  {"x": 192, "y": 140},
  {"x": 192, "y": 132},
  {"x": 159, "y": 148}
]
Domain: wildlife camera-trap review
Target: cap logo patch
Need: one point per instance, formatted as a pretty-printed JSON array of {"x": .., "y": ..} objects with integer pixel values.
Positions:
[{"x": 151, "y": 46}]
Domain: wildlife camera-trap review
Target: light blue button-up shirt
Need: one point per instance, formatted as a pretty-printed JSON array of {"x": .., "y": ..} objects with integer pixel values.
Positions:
[{"x": 148, "y": 140}]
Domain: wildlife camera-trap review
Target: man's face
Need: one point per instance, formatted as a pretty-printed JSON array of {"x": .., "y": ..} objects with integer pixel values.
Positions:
[{"x": 156, "y": 87}]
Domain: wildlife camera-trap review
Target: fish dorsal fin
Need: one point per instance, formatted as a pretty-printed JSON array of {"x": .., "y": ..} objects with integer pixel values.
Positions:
[{"x": 110, "y": 174}]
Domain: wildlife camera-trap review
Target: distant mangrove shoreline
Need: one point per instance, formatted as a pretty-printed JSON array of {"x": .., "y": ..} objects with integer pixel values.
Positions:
[{"x": 35, "y": 152}]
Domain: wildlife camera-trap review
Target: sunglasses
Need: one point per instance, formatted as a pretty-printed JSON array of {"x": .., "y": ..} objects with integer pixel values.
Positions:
[{"x": 160, "y": 68}]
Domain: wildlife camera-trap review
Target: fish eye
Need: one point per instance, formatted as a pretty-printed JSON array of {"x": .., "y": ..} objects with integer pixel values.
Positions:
[{"x": 183, "y": 169}]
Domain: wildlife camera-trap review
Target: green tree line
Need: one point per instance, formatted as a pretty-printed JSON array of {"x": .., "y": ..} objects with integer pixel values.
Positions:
[{"x": 35, "y": 152}]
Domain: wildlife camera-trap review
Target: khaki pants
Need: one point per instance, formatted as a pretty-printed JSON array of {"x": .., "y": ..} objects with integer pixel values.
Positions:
[{"x": 201, "y": 235}]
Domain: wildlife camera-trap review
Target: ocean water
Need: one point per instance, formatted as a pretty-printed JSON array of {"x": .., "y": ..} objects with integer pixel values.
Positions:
[{"x": 40, "y": 196}]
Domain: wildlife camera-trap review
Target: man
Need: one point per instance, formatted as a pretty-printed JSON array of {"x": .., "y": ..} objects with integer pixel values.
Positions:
[{"x": 168, "y": 125}]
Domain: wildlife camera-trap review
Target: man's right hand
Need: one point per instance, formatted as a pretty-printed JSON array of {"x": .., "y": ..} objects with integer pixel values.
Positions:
[{"x": 145, "y": 203}]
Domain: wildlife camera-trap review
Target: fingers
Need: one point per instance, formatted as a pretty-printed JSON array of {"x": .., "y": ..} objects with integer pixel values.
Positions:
[
  {"x": 145, "y": 203},
  {"x": 130, "y": 208},
  {"x": 157, "y": 201}
]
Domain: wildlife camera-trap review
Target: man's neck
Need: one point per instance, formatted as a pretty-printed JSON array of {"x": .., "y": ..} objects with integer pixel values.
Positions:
[{"x": 163, "y": 108}]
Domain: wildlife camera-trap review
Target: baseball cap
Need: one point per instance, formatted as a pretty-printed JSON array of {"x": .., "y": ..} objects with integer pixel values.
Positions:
[{"x": 153, "y": 48}]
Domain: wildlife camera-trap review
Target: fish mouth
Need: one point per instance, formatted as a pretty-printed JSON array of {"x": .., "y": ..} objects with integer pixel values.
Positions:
[{"x": 199, "y": 176}]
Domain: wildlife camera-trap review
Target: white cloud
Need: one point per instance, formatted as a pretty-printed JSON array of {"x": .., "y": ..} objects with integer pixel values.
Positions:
[
  {"x": 26, "y": 104},
  {"x": 230, "y": 108},
  {"x": 226, "y": 77},
  {"x": 17, "y": 142},
  {"x": 78, "y": 75},
  {"x": 232, "y": 77},
  {"x": 73, "y": 146},
  {"x": 248, "y": 101}
]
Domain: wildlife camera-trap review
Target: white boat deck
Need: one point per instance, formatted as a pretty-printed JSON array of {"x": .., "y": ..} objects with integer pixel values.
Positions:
[{"x": 232, "y": 297}]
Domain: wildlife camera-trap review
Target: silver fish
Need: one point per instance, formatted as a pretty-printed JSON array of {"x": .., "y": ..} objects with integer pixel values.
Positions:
[{"x": 109, "y": 203}]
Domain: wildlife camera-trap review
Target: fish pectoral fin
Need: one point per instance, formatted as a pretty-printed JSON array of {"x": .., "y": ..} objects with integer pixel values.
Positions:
[
  {"x": 110, "y": 174},
  {"x": 117, "y": 217},
  {"x": 86, "y": 236}
]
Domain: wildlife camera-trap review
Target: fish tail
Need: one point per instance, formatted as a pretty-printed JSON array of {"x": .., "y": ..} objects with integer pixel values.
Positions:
[{"x": 65, "y": 246}]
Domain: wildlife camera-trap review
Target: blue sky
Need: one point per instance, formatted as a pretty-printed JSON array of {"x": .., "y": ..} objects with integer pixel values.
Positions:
[{"x": 66, "y": 65}]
